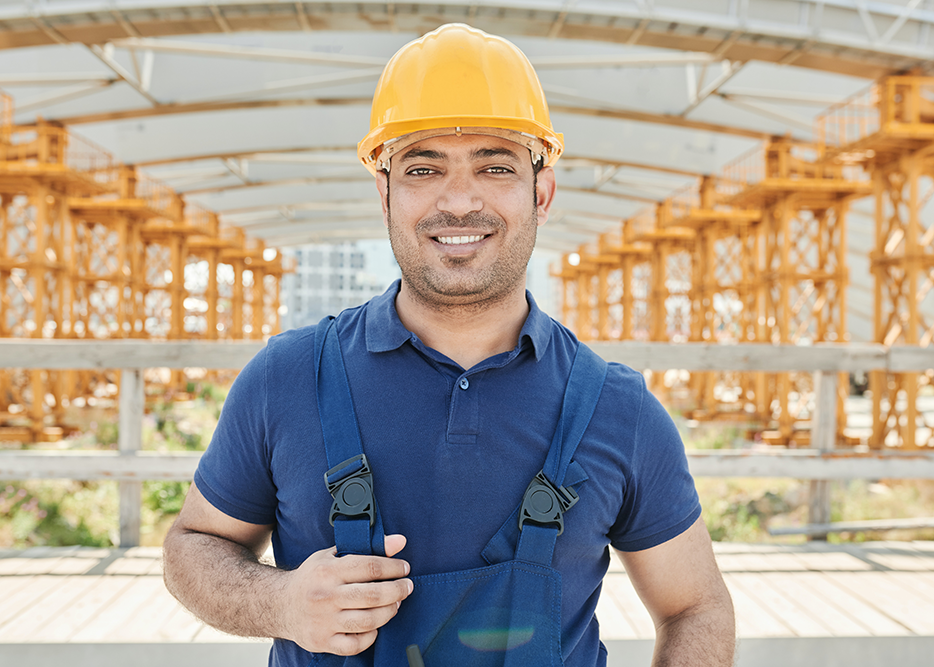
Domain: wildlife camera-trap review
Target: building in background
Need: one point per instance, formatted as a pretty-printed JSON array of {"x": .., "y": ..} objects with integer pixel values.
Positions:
[{"x": 331, "y": 277}]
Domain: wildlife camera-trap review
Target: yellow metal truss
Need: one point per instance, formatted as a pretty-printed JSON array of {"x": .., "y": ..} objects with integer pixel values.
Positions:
[
  {"x": 91, "y": 248},
  {"x": 889, "y": 130}
]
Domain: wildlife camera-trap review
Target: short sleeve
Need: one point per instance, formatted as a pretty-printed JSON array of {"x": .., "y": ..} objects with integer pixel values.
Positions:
[
  {"x": 660, "y": 500},
  {"x": 234, "y": 473}
]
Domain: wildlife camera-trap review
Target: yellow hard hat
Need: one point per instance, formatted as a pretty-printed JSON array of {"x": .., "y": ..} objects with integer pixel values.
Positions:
[{"x": 458, "y": 80}]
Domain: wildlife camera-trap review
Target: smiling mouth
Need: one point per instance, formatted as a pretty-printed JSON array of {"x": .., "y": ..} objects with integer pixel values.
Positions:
[{"x": 460, "y": 240}]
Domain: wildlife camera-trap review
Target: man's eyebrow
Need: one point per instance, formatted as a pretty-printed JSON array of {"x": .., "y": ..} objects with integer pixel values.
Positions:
[
  {"x": 421, "y": 154},
  {"x": 486, "y": 153},
  {"x": 479, "y": 154}
]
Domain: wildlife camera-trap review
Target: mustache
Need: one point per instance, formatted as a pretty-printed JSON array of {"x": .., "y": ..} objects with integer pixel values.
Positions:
[{"x": 475, "y": 221}]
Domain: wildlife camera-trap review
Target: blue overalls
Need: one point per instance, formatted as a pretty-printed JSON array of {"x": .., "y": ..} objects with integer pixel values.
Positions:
[{"x": 507, "y": 614}]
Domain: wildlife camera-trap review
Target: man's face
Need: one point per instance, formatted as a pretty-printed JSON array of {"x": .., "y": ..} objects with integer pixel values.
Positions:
[{"x": 464, "y": 216}]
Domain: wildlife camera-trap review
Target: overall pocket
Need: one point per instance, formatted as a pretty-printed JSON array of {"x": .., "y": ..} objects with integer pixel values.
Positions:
[{"x": 504, "y": 615}]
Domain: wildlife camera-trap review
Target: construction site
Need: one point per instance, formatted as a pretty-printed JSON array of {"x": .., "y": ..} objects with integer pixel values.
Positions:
[
  {"x": 759, "y": 254},
  {"x": 744, "y": 214},
  {"x": 94, "y": 249}
]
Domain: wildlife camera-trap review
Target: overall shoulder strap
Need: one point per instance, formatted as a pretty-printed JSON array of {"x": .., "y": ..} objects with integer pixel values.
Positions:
[
  {"x": 354, "y": 515},
  {"x": 560, "y": 472},
  {"x": 585, "y": 384}
]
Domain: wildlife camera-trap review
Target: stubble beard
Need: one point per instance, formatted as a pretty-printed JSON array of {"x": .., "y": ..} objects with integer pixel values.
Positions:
[{"x": 455, "y": 284}]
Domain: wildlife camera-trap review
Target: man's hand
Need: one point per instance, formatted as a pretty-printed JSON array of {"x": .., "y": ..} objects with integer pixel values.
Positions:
[
  {"x": 336, "y": 605},
  {"x": 328, "y": 604}
]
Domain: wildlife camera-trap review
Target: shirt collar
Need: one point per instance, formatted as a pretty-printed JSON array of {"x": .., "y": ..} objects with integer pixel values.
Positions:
[{"x": 385, "y": 331}]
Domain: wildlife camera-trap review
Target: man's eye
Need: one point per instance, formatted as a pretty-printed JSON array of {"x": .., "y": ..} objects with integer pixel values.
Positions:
[
  {"x": 499, "y": 170},
  {"x": 420, "y": 171}
]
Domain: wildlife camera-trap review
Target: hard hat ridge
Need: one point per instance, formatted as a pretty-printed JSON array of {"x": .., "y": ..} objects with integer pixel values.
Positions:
[{"x": 458, "y": 79}]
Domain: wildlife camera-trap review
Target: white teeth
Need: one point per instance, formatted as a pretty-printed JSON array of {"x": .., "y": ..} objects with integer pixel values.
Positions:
[{"x": 457, "y": 240}]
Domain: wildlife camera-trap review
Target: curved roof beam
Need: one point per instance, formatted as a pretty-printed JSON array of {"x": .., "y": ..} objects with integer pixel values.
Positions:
[
  {"x": 209, "y": 107},
  {"x": 856, "y": 38}
]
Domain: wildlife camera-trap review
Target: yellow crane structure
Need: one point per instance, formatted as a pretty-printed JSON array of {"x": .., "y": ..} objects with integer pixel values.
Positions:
[
  {"x": 722, "y": 293},
  {"x": 91, "y": 248},
  {"x": 758, "y": 255},
  {"x": 889, "y": 131},
  {"x": 802, "y": 272}
]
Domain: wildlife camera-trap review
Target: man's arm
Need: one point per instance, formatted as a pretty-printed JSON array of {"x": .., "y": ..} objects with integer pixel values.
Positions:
[
  {"x": 682, "y": 588},
  {"x": 327, "y": 605}
]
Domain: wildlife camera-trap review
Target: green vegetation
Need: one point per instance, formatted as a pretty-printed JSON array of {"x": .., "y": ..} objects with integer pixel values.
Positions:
[
  {"x": 66, "y": 512},
  {"x": 742, "y": 509}
]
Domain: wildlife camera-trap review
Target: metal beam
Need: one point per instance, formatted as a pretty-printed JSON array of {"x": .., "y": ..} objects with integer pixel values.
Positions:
[
  {"x": 660, "y": 119},
  {"x": 308, "y": 180},
  {"x": 621, "y": 60},
  {"x": 270, "y": 226},
  {"x": 53, "y": 79},
  {"x": 105, "y": 55},
  {"x": 827, "y": 38},
  {"x": 302, "y": 17},
  {"x": 251, "y": 154},
  {"x": 220, "y": 19},
  {"x": 727, "y": 72},
  {"x": 293, "y": 85},
  {"x": 248, "y": 53},
  {"x": 573, "y": 161},
  {"x": 784, "y": 97},
  {"x": 210, "y": 107},
  {"x": 781, "y": 117},
  {"x": 616, "y": 195},
  {"x": 62, "y": 95},
  {"x": 339, "y": 205}
]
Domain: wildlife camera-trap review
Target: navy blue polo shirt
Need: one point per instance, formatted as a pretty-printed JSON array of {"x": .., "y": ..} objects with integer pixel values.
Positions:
[{"x": 452, "y": 451}]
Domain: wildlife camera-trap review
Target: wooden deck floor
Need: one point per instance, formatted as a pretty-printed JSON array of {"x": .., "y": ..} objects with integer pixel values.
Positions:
[{"x": 860, "y": 605}]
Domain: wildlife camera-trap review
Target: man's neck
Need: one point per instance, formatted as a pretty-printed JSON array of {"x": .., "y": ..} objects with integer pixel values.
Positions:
[{"x": 466, "y": 334}]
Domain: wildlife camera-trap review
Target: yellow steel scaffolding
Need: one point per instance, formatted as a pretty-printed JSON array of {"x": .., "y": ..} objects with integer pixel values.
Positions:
[
  {"x": 91, "y": 248},
  {"x": 889, "y": 130}
]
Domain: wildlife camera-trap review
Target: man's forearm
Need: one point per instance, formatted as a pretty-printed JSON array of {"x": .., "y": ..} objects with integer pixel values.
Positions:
[
  {"x": 699, "y": 638},
  {"x": 224, "y": 584}
]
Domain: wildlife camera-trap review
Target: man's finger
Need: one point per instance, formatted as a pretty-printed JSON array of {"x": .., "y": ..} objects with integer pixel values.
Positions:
[
  {"x": 394, "y": 544},
  {"x": 374, "y": 594},
  {"x": 351, "y": 644},
  {"x": 356, "y": 621},
  {"x": 361, "y": 569}
]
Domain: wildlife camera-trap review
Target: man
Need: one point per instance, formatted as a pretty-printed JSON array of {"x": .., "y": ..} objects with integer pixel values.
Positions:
[{"x": 457, "y": 383}]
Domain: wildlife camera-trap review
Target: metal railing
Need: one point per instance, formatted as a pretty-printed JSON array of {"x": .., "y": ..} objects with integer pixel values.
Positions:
[
  {"x": 130, "y": 466},
  {"x": 855, "y": 118},
  {"x": 887, "y": 105}
]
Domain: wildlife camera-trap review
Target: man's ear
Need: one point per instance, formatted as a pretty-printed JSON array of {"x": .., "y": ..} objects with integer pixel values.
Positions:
[
  {"x": 382, "y": 185},
  {"x": 545, "y": 189}
]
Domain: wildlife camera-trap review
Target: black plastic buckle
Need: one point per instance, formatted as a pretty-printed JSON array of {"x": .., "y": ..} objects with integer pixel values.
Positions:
[
  {"x": 353, "y": 494},
  {"x": 545, "y": 504}
]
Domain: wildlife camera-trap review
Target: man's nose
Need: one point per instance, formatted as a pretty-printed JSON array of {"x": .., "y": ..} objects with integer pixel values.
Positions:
[{"x": 460, "y": 196}]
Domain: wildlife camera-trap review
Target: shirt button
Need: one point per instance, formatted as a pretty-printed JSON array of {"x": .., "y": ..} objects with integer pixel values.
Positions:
[{"x": 464, "y": 383}]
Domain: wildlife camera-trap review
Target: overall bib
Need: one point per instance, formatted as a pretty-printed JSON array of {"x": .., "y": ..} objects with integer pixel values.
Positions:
[{"x": 506, "y": 614}]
